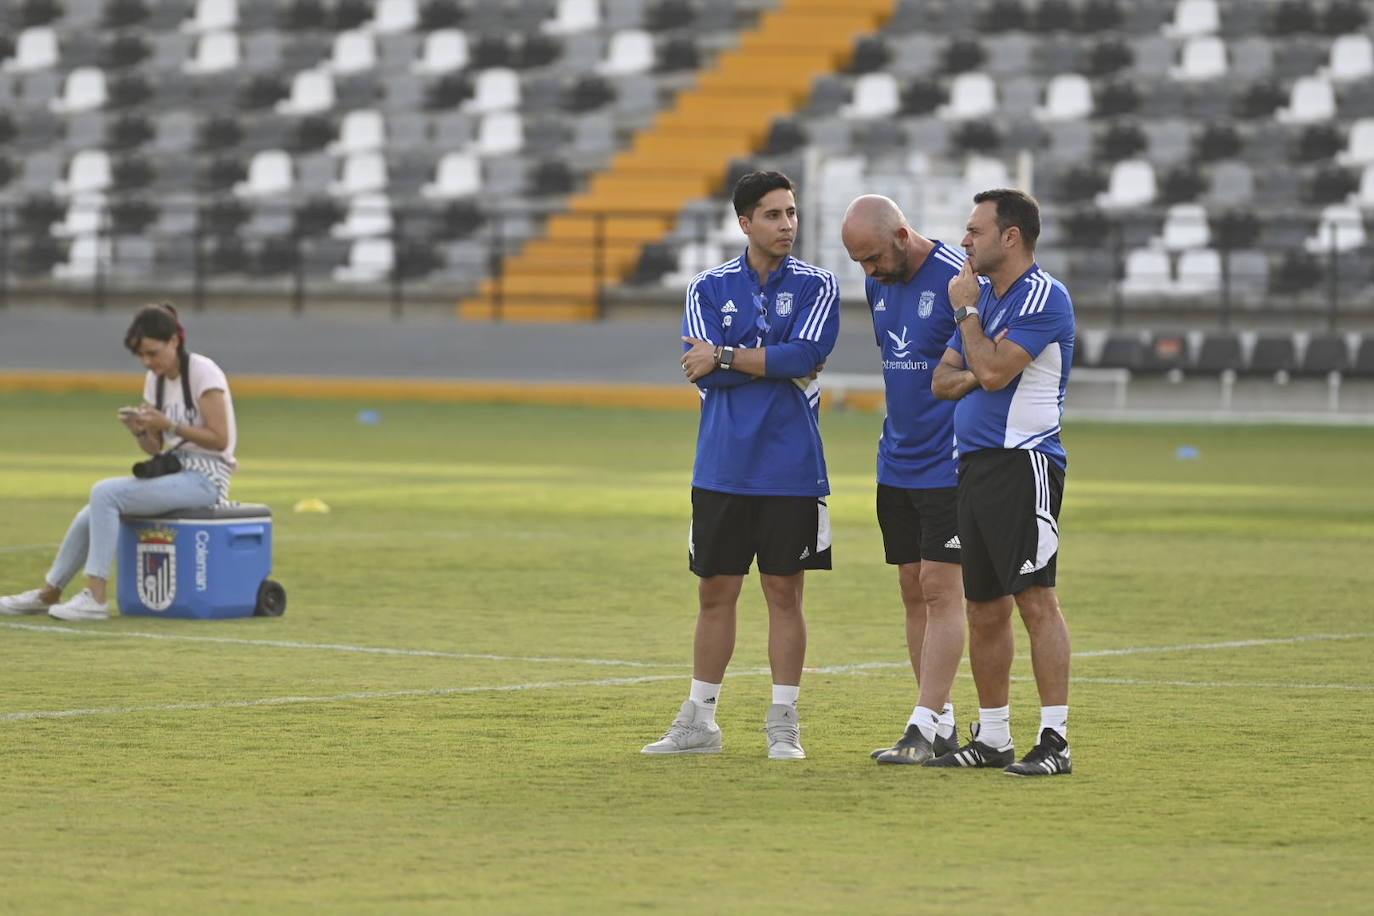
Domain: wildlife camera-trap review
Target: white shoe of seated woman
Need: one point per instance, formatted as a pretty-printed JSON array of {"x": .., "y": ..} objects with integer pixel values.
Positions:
[
  {"x": 82, "y": 607},
  {"x": 23, "y": 603}
]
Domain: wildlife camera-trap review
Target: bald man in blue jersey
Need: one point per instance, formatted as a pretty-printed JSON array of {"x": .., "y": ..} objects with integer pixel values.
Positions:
[
  {"x": 755, "y": 332},
  {"x": 1007, "y": 367},
  {"x": 908, "y": 296}
]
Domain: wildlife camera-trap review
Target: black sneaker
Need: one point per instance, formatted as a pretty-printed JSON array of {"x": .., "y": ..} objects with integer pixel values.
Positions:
[
  {"x": 1048, "y": 758},
  {"x": 948, "y": 745},
  {"x": 941, "y": 745},
  {"x": 974, "y": 754},
  {"x": 913, "y": 748},
  {"x": 880, "y": 751}
]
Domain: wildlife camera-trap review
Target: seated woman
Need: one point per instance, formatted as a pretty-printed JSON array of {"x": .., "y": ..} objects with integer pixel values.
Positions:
[{"x": 186, "y": 422}]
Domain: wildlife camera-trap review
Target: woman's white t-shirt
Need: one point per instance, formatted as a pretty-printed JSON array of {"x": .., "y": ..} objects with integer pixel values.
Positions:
[{"x": 204, "y": 376}]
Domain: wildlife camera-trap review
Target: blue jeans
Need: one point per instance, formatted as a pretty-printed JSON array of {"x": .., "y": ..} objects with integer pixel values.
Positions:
[{"x": 94, "y": 533}]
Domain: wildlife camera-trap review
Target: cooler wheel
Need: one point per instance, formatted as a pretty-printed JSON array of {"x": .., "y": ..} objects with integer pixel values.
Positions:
[{"x": 271, "y": 599}]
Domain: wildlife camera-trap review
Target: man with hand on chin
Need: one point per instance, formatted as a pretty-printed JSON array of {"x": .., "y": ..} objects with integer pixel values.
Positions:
[
  {"x": 756, "y": 331},
  {"x": 1007, "y": 366}
]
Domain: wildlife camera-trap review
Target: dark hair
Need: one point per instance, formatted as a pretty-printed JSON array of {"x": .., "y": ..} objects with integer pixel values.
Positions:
[
  {"x": 159, "y": 322},
  {"x": 1015, "y": 208},
  {"x": 753, "y": 186}
]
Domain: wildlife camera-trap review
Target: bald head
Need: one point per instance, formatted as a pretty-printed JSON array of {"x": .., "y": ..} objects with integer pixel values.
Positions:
[
  {"x": 871, "y": 217},
  {"x": 878, "y": 237}
]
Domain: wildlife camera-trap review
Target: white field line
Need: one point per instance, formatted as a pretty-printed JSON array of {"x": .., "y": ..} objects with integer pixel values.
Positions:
[
  {"x": 345, "y": 697},
  {"x": 326, "y": 647},
  {"x": 605, "y": 682},
  {"x": 1235, "y": 644},
  {"x": 21, "y": 548},
  {"x": 429, "y": 653},
  {"x": 1260, "y": 685},
  {"x": 611, "y": 682},
  {"x": 1135, "y": 650}
]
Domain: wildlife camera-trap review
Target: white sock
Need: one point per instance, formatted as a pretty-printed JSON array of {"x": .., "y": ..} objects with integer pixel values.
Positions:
[
  {"x": 927, "y": 720},
  {"x": 785, "y": 695},
  {"x": 946, "y": 727},
  {"x": 704, "y": 698},
  {"x": 1055, "y": 717},
  {"x": 994, "y": 726}
]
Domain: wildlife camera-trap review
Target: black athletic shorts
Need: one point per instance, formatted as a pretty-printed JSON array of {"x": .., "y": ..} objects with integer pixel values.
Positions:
[
  {"x": 1008, "y": 521},
  {"x": 788, "y": 534},
  {"x": 919, "y": 524}
]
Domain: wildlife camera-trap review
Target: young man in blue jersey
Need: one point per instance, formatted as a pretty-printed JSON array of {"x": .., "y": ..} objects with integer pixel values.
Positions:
[
  {"x": 1007, "y": 368},
  {"x": 908, "y": 295},
  {"x": 756, "y": 332}
]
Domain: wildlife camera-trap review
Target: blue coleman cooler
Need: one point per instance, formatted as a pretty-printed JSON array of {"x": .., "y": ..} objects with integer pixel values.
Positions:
[{"x": 201, "y": 563}]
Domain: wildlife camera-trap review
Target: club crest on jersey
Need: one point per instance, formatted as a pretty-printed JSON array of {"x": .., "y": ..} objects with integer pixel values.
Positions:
[
  {"x": 156, "y": 565},
  {"x": 783, "y": 306},
  {"x": 926, "y": 304}
]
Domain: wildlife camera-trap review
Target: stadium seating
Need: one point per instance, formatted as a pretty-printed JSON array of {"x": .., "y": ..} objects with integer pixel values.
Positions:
[{"x": 1151, "y": 121}]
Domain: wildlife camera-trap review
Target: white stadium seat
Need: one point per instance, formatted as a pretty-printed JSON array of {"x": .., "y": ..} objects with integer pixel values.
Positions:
[
  {"x": 1069, "y": 97},
  {"x": 369, "y": 260},
  {"x": 215, "y": 53},
  {"x": 1132, "y": 184},
  {"x": 312, "y": 91},
  {"x": 269, "y": 173},
  {"x": 34, "y": 49},
  {"x": 84, "y": 90},
  {"x": 971, "y": 95},
  {"x": 458, "y": 174},
  {"x": 876, "y": 95},
  {"x": 444, "y": 51}
]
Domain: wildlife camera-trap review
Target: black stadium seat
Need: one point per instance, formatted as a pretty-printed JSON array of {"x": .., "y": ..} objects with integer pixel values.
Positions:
[
  {"x": 1363, "y": 365},
  {"x": 1168, "y": 350},
  {"x": 1273, "y": 353},
  {"x": 1123, "y": 350},
  {"x": 1325, "y": 353},
  {"x": 1218, "y": 353}
]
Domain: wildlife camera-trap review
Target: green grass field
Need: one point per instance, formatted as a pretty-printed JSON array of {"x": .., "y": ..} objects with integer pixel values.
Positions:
[{"x": 524, "y": 571}]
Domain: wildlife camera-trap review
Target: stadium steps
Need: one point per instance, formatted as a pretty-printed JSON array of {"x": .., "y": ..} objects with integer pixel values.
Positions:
[{"x": 682, "y": 156}]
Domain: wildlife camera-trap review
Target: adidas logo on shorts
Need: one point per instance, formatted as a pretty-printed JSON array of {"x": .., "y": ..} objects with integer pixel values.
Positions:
[
  {"x": 806, "y": 552},
  {"x": 953, "y": 543},
  {"x": 1027, "y": 568}
]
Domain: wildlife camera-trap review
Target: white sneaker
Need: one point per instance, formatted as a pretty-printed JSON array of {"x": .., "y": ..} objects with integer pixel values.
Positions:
[
  {"x": 784, "y": 733},
  {"x": 23, "y": 603},
  {"x": 690, "y": 733},
  {"x": 81, "y": 607}
]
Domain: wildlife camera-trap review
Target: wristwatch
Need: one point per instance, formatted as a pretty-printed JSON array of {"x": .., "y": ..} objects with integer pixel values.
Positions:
[
  {"x": 727, "y": 357},
  {"x": 968, "y": 311}
]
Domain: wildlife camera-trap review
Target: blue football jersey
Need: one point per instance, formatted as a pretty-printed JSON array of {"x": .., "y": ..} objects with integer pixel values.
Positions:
[
  {"x": 1037, "y": 314},
  {"x": 762, "y": 435},
  {"x": 912, "y": 322}
]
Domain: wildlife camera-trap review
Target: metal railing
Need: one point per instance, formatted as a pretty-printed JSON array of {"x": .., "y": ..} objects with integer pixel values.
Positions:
[{"x": 208, "y": 251}]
